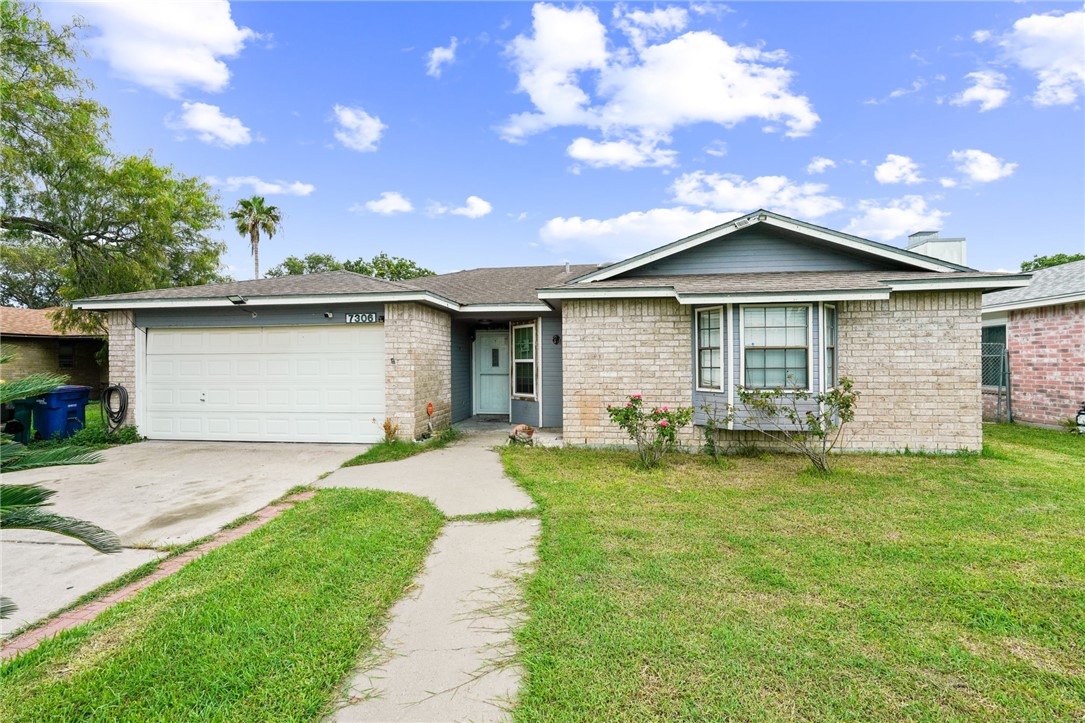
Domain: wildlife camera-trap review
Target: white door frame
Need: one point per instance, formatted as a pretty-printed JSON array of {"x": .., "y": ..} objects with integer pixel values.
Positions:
[{"x": 476, "y": 372}]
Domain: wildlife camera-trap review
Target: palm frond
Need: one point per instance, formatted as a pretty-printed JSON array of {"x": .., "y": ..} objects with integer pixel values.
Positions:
[
  {"x": 16, "y": 496},
  {"x": 88, "y": 533},
  {"x": 7, "y": 607},
  {"x": 20, "y": 458},
  {"x": 30, "y": 386}
]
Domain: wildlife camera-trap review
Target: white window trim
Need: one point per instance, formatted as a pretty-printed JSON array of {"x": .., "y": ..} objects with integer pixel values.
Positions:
[
  {"x": 725, "y": 328},
  {"x": 823, "y": 335},
  {"x": 513, "y": 361},
  {"x": 809, "y": 345}
]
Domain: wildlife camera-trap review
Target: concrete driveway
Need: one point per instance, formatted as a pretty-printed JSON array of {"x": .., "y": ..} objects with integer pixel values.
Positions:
[{"x": 151, "y": 494}]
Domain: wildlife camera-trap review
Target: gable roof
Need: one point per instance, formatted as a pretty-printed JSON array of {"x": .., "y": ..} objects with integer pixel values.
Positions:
[
  {"x": 843, "y": 241},
  {"x": 1064, "y": 284},
  {"x": 15, "y": 321}
]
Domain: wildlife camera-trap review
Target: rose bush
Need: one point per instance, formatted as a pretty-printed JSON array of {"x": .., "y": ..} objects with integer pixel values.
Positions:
[{"x": 655, "y": 432}]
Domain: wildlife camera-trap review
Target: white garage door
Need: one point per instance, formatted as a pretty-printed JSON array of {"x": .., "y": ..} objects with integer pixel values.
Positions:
[{"x": 281, "y": 384}]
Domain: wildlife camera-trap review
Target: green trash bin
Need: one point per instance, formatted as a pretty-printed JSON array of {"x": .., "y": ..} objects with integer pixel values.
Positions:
[{"x": 20, "y": 426}]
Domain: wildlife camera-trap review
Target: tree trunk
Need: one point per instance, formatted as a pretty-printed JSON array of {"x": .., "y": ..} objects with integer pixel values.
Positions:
[{"x": 255, "y": 240}]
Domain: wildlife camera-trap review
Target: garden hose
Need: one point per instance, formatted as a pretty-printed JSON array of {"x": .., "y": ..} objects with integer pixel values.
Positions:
[{"x": 112, "y": 419}]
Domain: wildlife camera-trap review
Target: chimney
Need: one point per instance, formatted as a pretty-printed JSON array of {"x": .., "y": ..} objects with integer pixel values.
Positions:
[
  {"x": 566, "y": 267},
  {"x": 944, "y": 249}
]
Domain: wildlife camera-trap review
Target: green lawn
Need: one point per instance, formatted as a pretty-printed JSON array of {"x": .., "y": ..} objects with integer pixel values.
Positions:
[
  {"x": 262, "y": 629},
  {"x": 901, "y": 587},
  {"x": 385, "y": 451}
]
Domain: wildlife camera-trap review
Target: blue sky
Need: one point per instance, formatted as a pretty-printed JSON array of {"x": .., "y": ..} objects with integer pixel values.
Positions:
[{"x": 490, "y": 134}]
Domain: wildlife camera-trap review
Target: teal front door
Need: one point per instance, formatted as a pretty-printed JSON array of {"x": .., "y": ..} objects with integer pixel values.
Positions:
[{"x": 491, "y": 372}]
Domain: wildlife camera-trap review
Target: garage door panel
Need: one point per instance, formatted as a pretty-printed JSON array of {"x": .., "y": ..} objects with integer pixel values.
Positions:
[{"x": 280, "y": 384}]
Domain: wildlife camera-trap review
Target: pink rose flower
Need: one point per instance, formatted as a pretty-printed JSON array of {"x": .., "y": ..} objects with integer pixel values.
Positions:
[
  {"x": 664, "y": 409},
  {"x": 636, "y": 396},
  {"x": 629, "y": 404},
  {"x": 663, "y": 422}
]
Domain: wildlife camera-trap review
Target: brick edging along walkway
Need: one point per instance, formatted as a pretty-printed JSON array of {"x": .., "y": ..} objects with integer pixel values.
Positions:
[{"x": 89, "y": 611}]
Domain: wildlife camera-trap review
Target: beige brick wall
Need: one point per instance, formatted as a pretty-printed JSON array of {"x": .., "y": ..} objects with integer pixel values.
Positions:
[
  {"x": 34, "y": 356},
  {"x": 122, "y": 357},
  {"x": 916, "y": 360},
  {"x": 617, "y": 347},
  {"x": 418, "y": 366}
]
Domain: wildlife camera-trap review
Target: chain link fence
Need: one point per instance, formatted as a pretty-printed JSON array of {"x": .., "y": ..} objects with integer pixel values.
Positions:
[{"x": 996, "y": 382}]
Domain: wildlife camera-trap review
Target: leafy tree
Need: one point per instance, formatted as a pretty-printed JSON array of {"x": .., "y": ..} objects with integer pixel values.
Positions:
[
  {"x": 381, "y": 266},
  {"x": 101, "y": 223},
  {"x": 311, "y": 264},
  {"x": 253, "y": 216},
  {"x": 1046, "y": 262}
]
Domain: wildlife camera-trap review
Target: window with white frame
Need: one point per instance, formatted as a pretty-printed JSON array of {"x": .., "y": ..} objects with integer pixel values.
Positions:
[
  {"x": 523, "y": 360},
  {"x": 830, "y": 346},
  {"x": 776, "y": 346},
  {"x": 709, "y": 348}
]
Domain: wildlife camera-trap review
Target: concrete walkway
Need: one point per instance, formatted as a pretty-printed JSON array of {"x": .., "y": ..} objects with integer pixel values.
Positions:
[{"x": 447, "y": 650}]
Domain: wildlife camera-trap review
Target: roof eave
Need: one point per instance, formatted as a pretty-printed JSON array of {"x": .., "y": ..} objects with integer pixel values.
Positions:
[{"x": 297, "y": 299}]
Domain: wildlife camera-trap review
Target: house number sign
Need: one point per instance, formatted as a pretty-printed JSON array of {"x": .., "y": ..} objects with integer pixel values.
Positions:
[{"x": 363, "y": 318}]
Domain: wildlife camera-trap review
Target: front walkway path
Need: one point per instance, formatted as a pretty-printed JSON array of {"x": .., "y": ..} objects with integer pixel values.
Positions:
[{"x": 446, "y": 652}]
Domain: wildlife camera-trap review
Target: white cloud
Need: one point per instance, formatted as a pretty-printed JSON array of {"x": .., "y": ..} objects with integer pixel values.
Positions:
[
  {"x": 1052, "y": 46},
  {"x": 981, "y": 36},
  {"x": 643, "y": 91},
  {"x": 716, "y": 148},
  {"x": 167, "y": 46},
  {"x": 439, "y": 57},
  {"x": 820, "y": 164},
  {"x": 630, "y": 233},
  {"x": 729, "y": 192},
  {"x": 948, "y": 182},
  {"x": 620, "y": 154},
  {"x": 981, "y": 167},
  {"x": 474, "y": 207},
  {"x": 210, "y": 125},
  {"x": 357, "y": 130},
  {"x": 898, "y": 169},
  {"x": 263, "y": 188},
  {"x": 389, "y": 204},
  {"x": 988, "y": 89},
  {"x": 897, "y": 218}
]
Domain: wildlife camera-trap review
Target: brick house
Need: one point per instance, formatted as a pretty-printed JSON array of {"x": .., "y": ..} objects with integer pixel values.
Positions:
[
  {"x": 763, "y": 298},
  {"x": 29, "y": 335},
  {"x": 1043, "y": 329}
]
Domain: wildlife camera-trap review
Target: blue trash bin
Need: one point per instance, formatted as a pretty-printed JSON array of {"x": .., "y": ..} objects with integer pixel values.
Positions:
[{"x": 62, "y": 412}]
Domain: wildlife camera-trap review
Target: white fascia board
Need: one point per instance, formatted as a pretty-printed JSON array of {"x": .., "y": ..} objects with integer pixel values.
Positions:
[
  {"x": 630, "y": 293},
  {"x": 383, "y": 297},
  {"x": 498, "y": 308},
  {"x": 1001, "y": 282},
  {"x": 730, "y": 227},
  {"x": 1033, "y": 303},
  {"x": 784, "y": 297}
]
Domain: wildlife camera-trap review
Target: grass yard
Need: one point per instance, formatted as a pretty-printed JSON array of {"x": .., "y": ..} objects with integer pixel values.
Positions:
[
  {"x": 901, "y": 587},
  {"x": 396, "y": 449},
  {"x": 264, "y": 628}
]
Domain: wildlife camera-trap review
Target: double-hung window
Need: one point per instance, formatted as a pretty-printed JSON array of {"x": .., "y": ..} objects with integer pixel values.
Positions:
[
  {"x": 830, "y": 346},
  {"x": 776, "y": 347},
  {"x": 709, "y": 345},
  {"x": 523, "y": 360}
]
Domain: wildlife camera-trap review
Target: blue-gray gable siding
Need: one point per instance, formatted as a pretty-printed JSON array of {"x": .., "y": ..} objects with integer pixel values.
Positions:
[
  {"x": 551, "y": 372},
  {"x": 461, "y": 371},
  {"x": 720, "y": 400},
  {"x": 759, "y": 249},
  {"x": 242, "y": 316}
]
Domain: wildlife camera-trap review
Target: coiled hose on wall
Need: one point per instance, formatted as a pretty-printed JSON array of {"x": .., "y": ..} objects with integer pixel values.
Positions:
[{"x": 113, "y": 417}]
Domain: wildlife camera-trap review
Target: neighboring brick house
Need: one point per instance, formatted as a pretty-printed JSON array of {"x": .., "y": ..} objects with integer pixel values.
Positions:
[
  {"x": 753, "y": 302},
  {"x": 29, "y": 336},
  {"x": 1043, "y": 328}
]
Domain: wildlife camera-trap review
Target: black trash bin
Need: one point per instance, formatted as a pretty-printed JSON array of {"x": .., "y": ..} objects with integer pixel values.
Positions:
[{"x": 62, "y": 412}]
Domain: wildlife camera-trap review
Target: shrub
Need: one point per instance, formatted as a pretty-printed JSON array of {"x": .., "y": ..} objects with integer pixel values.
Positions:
[
  {"x": 655, "y": 432},
  {"x": 813, "y": 431},
  {"x": 390, "y": 430}
]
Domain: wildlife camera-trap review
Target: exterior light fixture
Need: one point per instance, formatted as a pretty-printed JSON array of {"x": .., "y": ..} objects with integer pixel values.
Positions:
[{"x": 236, "y": 300}]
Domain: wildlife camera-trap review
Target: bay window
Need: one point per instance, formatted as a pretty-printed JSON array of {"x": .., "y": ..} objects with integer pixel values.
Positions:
[
  {"x": 776, "y": 347},
  {"x": 709, "y": 344},
  {"x": 523, "y": 360}
]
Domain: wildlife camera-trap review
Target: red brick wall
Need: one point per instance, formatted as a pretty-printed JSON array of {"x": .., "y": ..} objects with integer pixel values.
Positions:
[{"x": 1047, "y": 362}]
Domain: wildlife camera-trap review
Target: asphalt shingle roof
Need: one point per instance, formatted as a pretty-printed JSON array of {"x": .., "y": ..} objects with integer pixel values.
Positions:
[
  {"x": 29, "y": 322},
  {"x": 1046, "y": 284},
  {"x": 330, "y": 282},
  {"x": 508, "y": 285}
]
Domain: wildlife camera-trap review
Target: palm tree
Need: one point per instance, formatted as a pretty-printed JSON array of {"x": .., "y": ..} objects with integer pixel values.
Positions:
[{"x": 252, "y": 216}]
